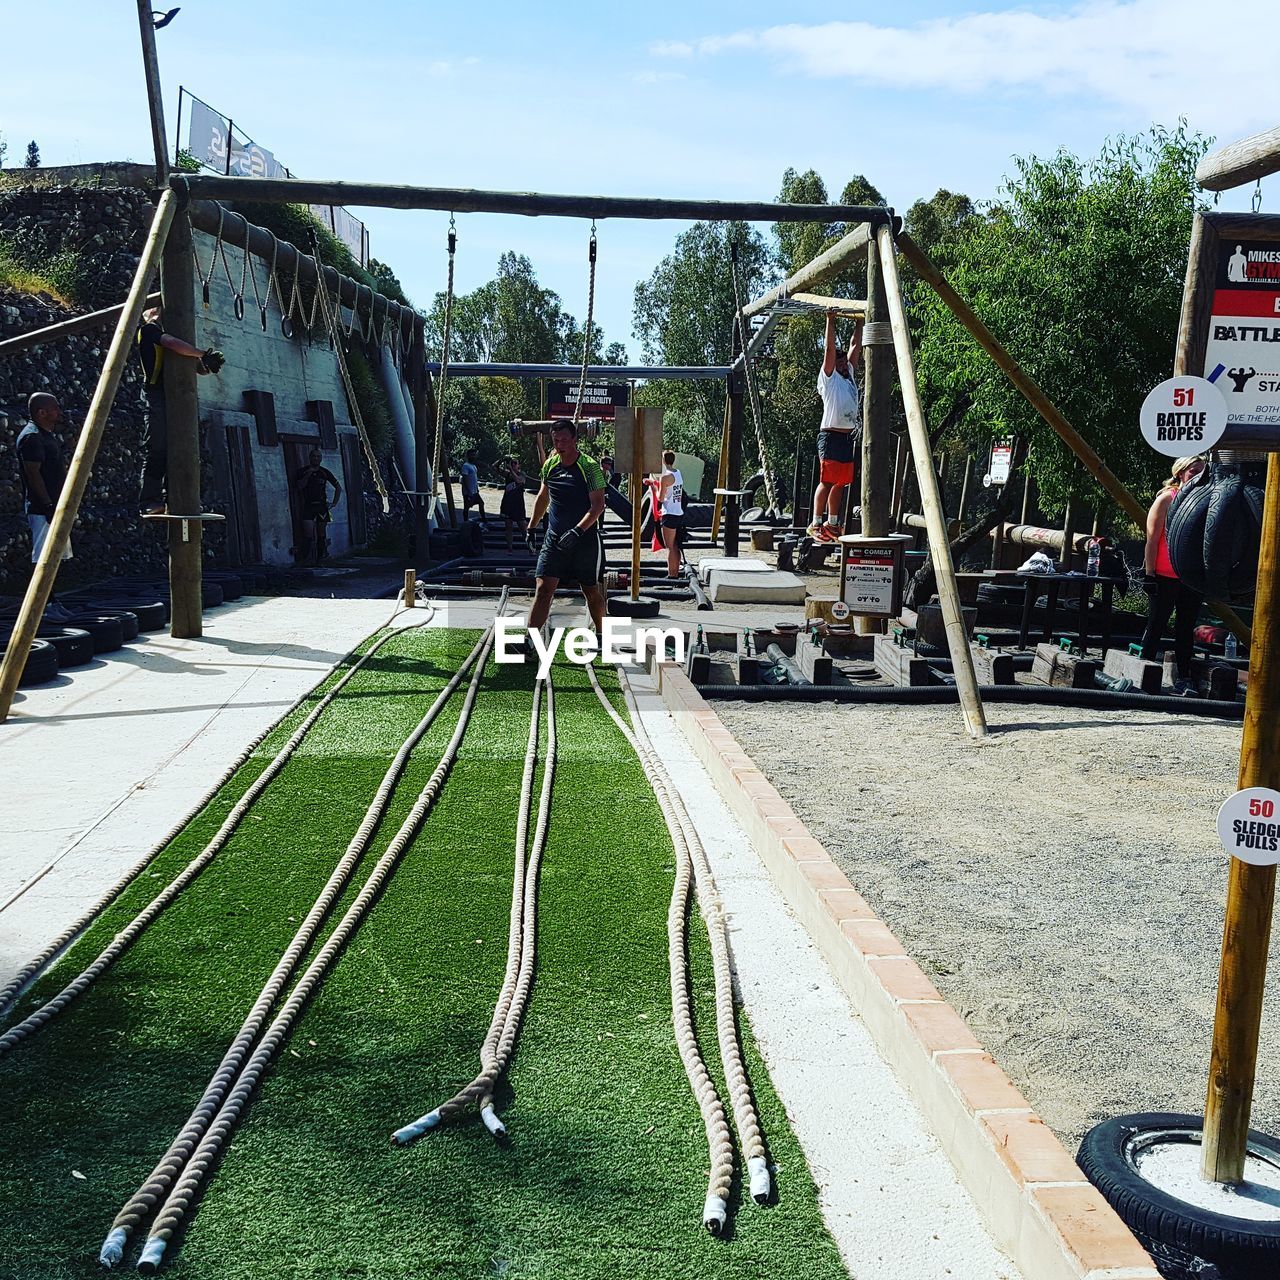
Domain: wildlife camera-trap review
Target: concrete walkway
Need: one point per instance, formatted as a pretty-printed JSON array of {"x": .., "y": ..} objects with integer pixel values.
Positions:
[{"x": 101, "y": 763}]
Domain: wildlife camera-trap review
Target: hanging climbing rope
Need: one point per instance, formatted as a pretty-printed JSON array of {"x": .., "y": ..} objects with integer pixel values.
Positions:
[
  {"x": 46, "y": 1012},
  {"x": 143, "y": 1202},
  {"x": 331, "y": 320},
  {"x": 517, "y": 983},
  {"x": 586, "y": 329},
  {"x": 437, "y": 456},
  {"x": 740, "y": 320},
  {"x": 191, "y": 1168},
  {"x": 693, "y": 867}
]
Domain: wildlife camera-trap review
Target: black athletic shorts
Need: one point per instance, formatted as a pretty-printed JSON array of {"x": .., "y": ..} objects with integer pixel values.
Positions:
[
  {"x": 672, "y": 522},
  {"x": 585, "y": 562},
  {"x": 837, "y": 446}
]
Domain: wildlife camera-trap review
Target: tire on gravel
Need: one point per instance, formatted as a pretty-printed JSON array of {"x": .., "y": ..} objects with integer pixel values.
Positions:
[
  {"x": 106, "y": 631},
  {"x": 1186, "y": 1242},
  {"x": 41, "y": 665},
  {"x": 626, "y": 607}
]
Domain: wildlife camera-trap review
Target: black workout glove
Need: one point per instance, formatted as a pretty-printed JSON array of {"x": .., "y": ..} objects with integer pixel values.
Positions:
[
  {"x": 212, "y": 360},
  {"x": 531, "y": 541},
  {"x": 1150, "y": 583},
  {"x": 568, "y": 540}
]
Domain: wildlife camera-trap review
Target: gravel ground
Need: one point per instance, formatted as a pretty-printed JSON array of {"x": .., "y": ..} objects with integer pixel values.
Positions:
[{"x": 1061, "y": 883}]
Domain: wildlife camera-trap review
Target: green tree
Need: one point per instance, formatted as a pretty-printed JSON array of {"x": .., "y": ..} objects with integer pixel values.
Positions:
[
  {"x": 33, "y": 156},
  {"x": 4, "y": 150},
  {"x": 1077, "y": 269}
]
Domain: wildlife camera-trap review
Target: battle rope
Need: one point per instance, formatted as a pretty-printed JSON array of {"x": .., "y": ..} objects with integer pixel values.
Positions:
[
  {"x": 331, "y": 324},
  {"x": 438, "y": 456},
  {"x": 125, "y": 938},
  {"x": 692, "y": 865},
  {"x": 586, "y": 331},
  {"x": 517, "y": 983},
  {"x": 753, "y": 397},
  {"x": 157, "y": 1185},
  {"x": 205, "y": 1157}
]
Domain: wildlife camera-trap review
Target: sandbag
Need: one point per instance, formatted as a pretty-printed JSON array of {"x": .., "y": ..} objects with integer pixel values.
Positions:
[{"x": 1214, "y": 530}]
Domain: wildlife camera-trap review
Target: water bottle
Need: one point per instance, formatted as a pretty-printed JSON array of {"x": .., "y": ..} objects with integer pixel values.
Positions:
[
  {"x": 1231, "y": 646},
  {"x": 1095, "y": 558}
]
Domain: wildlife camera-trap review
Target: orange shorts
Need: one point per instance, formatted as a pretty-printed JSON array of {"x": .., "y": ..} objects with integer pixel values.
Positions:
[{"x": 836, "y": 472}]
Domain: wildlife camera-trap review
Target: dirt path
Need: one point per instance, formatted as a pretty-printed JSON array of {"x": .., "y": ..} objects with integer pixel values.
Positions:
[{"x": 1062, "y": 883}]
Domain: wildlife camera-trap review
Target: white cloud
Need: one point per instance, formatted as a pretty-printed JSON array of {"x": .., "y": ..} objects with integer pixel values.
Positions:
[
  {"x": 671, "y": 49},
  {"x": 1159, "y": 58}
]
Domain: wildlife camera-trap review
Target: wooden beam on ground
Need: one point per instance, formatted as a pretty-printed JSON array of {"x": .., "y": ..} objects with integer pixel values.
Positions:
[
  {"x": 67, "y": 328},
  {"x": 823, "y": 267},
  {"x": 182, "y": 418},
  {"x": 1240, "y": 162},
  {"x": 41, "y": 586},
  {"x": 930, "y": 499},
  {"x": 533, "y": 204},
  {"x": 1250, "y": 889}
]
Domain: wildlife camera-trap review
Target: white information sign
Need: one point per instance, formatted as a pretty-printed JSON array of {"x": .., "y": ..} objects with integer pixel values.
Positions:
[
  {"x": 839, "y": 610},
  {"x": 1001, "y": 461},
  {"x": 1183, "y": 415},
  {"x": 1249, "y": 826},
  {"x": 868, "y": 580}
]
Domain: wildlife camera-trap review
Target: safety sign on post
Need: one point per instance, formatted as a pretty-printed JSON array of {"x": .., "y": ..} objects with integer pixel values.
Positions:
[
  {"x": 1001, "y": 464},
  {"x": 1182, "y": 416}
]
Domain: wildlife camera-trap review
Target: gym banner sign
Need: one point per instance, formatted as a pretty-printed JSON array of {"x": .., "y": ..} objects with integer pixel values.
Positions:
[
  {"x": 1242, "y": 353},
  {"x": 602, "y": 399}
]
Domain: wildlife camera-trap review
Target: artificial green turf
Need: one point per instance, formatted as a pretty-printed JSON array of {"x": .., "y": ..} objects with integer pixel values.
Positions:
[{"x": 607, "y": 1171}]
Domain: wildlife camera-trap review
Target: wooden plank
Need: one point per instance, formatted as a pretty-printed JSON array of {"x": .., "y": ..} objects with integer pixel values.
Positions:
[
  {"x": 992, "y": 666},
  {"x": 67, "y": 328},
  {"x": 1147, "y": 677},
  {"x": 262, "y": 404},
  {"x": 820, "y": 270},
  {"x": 814, "y": 664},
  {"x": 532, "y": 204}
]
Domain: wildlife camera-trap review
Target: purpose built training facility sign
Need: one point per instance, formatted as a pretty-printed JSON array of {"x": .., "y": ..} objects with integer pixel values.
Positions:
[{"x": 601, "y": 400}]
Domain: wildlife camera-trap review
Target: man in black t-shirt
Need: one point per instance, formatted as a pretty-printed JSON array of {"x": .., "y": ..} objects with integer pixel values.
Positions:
[
  {"x": 311, "y": 484},
  {"x": 152, "y": 342},
  {"x": 41, "y": 468}
]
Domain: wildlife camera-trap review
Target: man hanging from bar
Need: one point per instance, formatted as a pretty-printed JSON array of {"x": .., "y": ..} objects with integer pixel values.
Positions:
[
  {"x": 152, "y": 342},
  {"x": 840, "y": 431}
]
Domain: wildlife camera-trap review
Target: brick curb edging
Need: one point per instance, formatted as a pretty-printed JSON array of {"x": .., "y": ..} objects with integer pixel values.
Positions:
[{"x": 1037, "y": 1204}]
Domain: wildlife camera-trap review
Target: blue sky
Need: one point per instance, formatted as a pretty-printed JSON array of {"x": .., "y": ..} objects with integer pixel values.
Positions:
[{"x": 661, "y": 98}]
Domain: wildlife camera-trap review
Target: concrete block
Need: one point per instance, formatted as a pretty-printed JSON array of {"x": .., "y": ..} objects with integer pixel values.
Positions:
[
  {"x": 763, "y": 586},
  {"x": 899, "y": 664},
  {"x": 814, "y": 664},
  {"x": 739, "y": 564},
  {"x": 1147, "y": 677},
  {"x": 748, "y": 669}
]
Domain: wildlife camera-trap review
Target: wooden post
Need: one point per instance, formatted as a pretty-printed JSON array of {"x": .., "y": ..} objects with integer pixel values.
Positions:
[
  {"x": 1250, "y": 889},
  {"x": 155, "y": 98},
  {"x": 964, "y": 489},
  {"x": 635, "y": 482},
  {"x": 877, "y": 479},
  {"x": 41, "y": 585},
  {"x": 410, "y": 588},
  {"x": 930, "y": 499},
  {"x": 66, "y": 328},
  {"x": 1068, "y": 535},
  {"x": 734, "y": 478},
  {"x": 421, "y": 445},
  {"x": 182, "y": 415},
  {"x": 895, "y": 505},
  {"x": 722, "y": 474}
]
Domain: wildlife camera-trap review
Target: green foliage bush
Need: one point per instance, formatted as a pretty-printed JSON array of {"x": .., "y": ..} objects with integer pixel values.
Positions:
[{"x": 63, "y": 276}]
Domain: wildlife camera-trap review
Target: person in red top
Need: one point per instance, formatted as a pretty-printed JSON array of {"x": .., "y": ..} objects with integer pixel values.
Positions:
[{"x": 1166, "y": 593}]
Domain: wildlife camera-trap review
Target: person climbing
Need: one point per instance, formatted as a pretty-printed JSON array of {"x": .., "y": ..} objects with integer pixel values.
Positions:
[
  {"x": 311, "y": 484},
  {"x": 1166, "y": 593},
  {"x": 839, "y": 432},
  {"x": 572, "y": 499},
  {"x": 152, "y": 342}
]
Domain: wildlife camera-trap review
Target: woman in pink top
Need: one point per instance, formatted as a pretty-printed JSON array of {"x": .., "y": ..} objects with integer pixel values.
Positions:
[{"x": 1166, "y": 593}]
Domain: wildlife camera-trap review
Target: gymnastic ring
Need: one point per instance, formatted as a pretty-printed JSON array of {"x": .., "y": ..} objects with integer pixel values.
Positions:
[
  {"x": 239, "y": 307},
  {"x": 286, "y": 326}
]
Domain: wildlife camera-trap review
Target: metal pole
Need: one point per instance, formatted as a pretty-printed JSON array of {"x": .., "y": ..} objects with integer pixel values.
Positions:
[
  {"x": 421, "y": 444},
  {"x": 155, "y": 98},
  {"x": 930, "y": 499},
  {"x": 177, "y": 130},
  {"x": 95, "y": 422},
  {"x": 182, "y": 416},
  {"x": 634, "y": 483},
  {"x": 734, "y": 480},
  {"x": 1250, "y": 889}
]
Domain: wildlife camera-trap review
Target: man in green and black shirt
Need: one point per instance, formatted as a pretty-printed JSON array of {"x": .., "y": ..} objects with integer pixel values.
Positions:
[{"x": 573, "y": 488}]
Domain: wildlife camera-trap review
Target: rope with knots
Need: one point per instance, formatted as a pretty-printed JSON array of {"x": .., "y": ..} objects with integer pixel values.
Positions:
[
  {"x": 586, "y": 330},
  {"x": 46, "y": 1012},
  {"x": 143, "y": 1202},
  {"x": 693, "y": 866},
  {"x": 522, "y": 935},
  {"x": 770, "y": 481},
  {"x": 438, "y": 453},
  {"x": 332, "y": 325},
  {"x": 207, "y": 276},
  {"x": 201, "y": 1162}
]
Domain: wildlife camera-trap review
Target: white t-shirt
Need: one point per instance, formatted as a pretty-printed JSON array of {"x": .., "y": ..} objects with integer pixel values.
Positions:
[
  {"x": 470, "y": 479},
  {"x": 841, "y": 402},
  {"x": 673, "y": 503}
]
